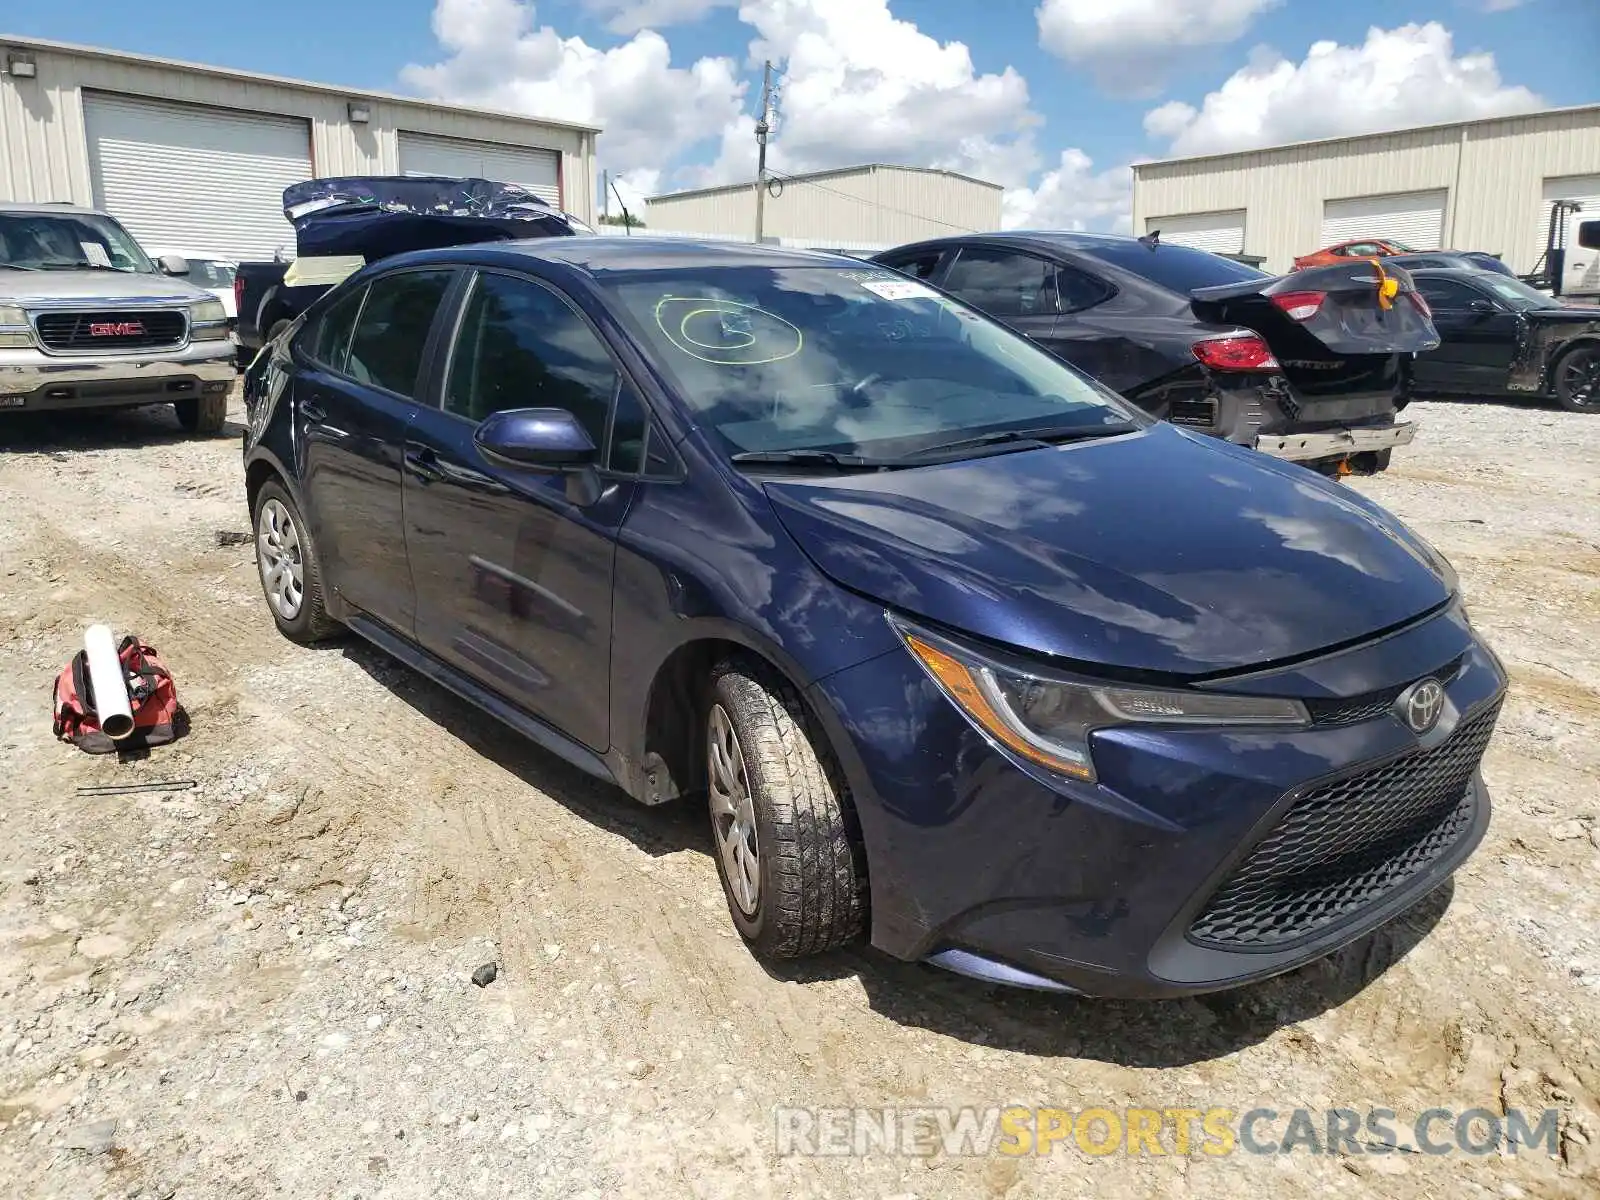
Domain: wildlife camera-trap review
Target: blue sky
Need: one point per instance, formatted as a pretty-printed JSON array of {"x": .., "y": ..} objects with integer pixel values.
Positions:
[{"x": 1117, "y": 80}]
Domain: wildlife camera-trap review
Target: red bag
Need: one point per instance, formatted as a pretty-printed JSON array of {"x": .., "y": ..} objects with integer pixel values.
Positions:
[{"x": 151, "y": 693}]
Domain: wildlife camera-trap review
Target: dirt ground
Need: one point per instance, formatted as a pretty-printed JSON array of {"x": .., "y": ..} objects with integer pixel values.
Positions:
[{"x": 263, "y": 981}]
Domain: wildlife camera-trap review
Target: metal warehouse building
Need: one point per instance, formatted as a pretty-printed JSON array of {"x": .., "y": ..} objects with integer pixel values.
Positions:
[
  {"x": 1477, "y": 185},
  {"x": 196, "y": 158},
  {"x": 869, "y": 207}
]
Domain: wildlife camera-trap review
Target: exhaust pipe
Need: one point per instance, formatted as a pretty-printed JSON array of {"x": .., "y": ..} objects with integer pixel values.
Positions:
[{"x": 109, "y": 682}]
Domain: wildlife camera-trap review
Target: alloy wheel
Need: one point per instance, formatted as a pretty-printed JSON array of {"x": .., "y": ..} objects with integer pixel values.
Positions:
[
  {"x": 733, "y": 817},
  {"x": 278, "y": 556},
  {"x": 1580, "y": 379}
]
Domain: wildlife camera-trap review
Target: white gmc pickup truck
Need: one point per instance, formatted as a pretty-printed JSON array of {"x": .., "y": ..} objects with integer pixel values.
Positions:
[{"x": 88, "y": 320}]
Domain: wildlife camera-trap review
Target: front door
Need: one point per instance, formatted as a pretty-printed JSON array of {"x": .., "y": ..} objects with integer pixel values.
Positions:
[
  {"x": 513, "y": 577},
  {"x": 364, "y": 356},
  {"x": 1477, "y": 339}
]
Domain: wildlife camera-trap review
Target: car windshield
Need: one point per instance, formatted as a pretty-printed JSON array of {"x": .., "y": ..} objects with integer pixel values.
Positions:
[
  {"x": 1401, "y": 247},
  {"x": 210, "y": 273},
  {"x": 1517, "y": 294},
  {"x": 47, "y": 241},
  {"x": 1177, "y": 268},
  {"x": 848, "y": 361}
]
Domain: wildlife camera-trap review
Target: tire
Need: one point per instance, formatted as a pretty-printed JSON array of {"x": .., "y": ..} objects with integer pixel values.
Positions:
[
  {"x": 206, "y": 413},
  {"x": 1577, "y": 379},
  {"x": 281, "y": 534},
  {"x": 809, "y": 867}
]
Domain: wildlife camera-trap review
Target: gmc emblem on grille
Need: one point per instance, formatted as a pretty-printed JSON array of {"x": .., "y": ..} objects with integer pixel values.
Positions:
[
  {"x": 1420, "y": 705},
  {"x": 117, "y": 329}
]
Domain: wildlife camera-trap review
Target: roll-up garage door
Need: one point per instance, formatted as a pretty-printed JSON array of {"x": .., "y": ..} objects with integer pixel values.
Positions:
[
  {"x": 206, "y": 180},
  {"x": 1414, "y": 218},
  {"x": 1218, "y": 232},
  {"x": 537, "y": 170}
]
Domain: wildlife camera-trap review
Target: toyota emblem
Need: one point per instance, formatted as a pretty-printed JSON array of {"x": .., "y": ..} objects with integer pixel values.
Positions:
[{"x": 1420, "y": 705}]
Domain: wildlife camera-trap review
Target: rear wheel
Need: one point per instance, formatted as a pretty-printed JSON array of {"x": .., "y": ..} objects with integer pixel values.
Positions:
[
  {"x": 786, "y": 845},
  {"x": 1577, "y": 380},
  {"x": 206, "y": 413},
  {"x": 291, "y": 575}
]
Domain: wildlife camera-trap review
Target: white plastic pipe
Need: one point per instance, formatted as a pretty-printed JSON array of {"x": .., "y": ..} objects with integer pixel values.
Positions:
[{"x": 109, "y": 682}]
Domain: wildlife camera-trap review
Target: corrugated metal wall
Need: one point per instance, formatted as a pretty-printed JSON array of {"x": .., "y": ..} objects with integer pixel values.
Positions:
[
  {"x": 1494, "y": 172},
  {"x": 880, "y": 205},
  {"x": 44, "y": 151}
]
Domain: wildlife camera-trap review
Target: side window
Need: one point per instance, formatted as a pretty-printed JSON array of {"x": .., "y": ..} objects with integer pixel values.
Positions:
[
  {"x": 1080, "y": 290},
  {"x": 630, "y": 429},
  {"x": 386, "y": 350},
  {"x": 1004, "y": 284},
  {"x": 918, "y": 266},
  {"x": 1589, "y": 235},
  {"x": 521, "y": 346},
  {"x": 1445, "y": 294},
  {"x": 329, "y": 340}
]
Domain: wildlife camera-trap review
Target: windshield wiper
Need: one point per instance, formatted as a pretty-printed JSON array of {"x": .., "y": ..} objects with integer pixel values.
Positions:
[
  {"x": 805, "y": 458},
  {"x": 16, "y": 267},
  {"x": 1002, "y": 441},
  {"x": 80, "y": 266}
]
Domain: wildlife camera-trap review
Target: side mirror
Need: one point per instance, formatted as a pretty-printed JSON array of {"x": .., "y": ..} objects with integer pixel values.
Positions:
[
  {"x": 1481, "y": 307},
  {"x": 546, "y": 438},
  {"x": 173, "y": 264}
]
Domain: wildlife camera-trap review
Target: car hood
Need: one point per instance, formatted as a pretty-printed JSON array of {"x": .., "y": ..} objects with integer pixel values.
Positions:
[
  {"x": 29, "y": 288},
  {"x": 1158, "y": 551}
]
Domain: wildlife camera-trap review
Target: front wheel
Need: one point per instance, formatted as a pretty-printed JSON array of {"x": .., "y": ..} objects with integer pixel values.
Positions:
[
  {"x": 205, "y": 413},
  {"x": 1577, "y": 379},
  {"x": 787, "y": 846},
  {"x": 291, "y": 574}
]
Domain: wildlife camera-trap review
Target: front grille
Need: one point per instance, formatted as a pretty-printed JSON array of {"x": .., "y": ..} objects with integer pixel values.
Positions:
[
  {"x": 113, "y": 329},
  {"x": 1351, "y": 710},
  {"x": 1344, "y": 846}
]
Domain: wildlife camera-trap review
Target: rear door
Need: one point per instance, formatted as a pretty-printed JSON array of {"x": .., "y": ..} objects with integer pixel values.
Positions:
[
  {"x": 355, "y": 393},
  {"x": 513, "y": 574},
  {"x": 1478, "y": 338}
]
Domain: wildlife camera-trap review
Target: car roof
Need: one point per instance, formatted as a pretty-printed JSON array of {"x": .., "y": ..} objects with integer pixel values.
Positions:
[
  {"x": 1066, "y": 239},
  {"x": 611, "y": 252},
  {"x": 1456, "y": 272},
  {"x": 17, "y": 206}
]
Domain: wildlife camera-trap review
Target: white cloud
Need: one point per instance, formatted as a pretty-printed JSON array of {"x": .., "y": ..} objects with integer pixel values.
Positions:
[
  {"x": 630, "y": 16},
  {"x": 859, "y": 85},
  {"x": 1397, "y": 78},
  {"x": 1132, "y": 46},
  {"x": 1495, "y": 6},
  {"x": 1073, "y": 195},
  {"x": 652, "y": 111}
]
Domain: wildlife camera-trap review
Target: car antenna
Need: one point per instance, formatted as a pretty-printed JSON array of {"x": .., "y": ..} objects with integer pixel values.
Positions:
[
  {"x": 1151, "y": 240},
  {"x": 627, "y": 217}
]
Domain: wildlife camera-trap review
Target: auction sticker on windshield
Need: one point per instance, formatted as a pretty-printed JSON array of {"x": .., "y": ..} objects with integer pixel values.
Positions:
[{"x": 899, "y": 289}]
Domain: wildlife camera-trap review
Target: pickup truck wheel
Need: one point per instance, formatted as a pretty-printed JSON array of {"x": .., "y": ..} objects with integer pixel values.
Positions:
[
  {"x": 787, "y": 847},
  {"x": 1577, "y": 379},
  {"x": 203, "y": 414},
  {"x": 291, "y": 575}
]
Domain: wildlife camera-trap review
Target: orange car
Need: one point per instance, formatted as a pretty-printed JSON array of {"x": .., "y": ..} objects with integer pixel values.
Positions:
[{"x": 1370, "y": 248}]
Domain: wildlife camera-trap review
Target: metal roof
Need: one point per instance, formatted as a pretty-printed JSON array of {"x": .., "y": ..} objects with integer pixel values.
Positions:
[
  {"x": 1365, "y": 137},
  {"x": 327, "y": 89}
]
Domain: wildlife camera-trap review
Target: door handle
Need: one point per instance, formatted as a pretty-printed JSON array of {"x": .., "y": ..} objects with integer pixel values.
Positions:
[
  {"x": 312, "y": 411},
  {"x": 423, "y": 464}
]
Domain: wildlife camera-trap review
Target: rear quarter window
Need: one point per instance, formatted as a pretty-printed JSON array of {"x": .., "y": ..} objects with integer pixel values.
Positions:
[{"x": 1179, "y": 269}]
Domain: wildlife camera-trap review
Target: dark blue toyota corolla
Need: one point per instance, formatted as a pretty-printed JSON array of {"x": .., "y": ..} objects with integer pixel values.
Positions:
[{"x": 965, "y": 654}]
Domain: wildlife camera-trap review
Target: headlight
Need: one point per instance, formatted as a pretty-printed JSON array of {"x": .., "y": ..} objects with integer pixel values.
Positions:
[
  {"x": 1048, "y": 720},
  {"x": 208, "y": 321},
  {"x": 14, "y": 331}
]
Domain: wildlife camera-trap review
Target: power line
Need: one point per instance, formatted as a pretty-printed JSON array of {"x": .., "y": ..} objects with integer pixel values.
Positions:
[{"x": 904, "y": 212}]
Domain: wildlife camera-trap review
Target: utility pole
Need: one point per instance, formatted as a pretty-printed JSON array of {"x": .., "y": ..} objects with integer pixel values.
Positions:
[
  {"x": 605, "y": 194},
  {"x": 763, "y": 127}
]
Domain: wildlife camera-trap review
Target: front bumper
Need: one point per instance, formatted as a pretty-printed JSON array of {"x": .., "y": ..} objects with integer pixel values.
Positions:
[
  {"x": 34, "y": 382},
  {"x": 1335, "y": 443},
  {"x": 986, "y": 865}
]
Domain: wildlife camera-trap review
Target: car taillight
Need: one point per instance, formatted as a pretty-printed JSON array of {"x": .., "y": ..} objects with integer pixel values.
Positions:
[
  {"x": 1236, "y": 352},
  {"x": 238, "y": 294},
  {"x": 1421, "y": 302},
  {"x": 1302, "y": 306}
]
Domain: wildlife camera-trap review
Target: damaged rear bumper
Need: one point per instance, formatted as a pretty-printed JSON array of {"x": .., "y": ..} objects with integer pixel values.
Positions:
[{"x": 1335, "y": 443}]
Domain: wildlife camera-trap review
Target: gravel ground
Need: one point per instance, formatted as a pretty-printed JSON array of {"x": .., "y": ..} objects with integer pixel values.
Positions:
[{"x": 261, "y": 986}]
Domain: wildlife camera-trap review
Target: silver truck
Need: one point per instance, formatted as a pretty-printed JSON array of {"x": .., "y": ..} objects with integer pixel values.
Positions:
[{"x": 88, "y": 321}]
